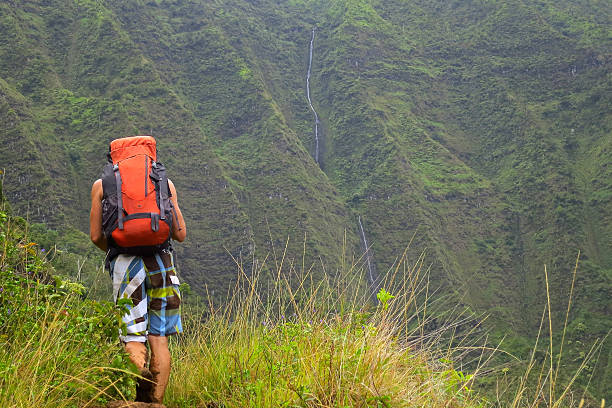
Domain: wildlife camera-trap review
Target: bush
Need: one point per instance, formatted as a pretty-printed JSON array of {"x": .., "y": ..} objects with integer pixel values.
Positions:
[{"x": 56, "y": 349}]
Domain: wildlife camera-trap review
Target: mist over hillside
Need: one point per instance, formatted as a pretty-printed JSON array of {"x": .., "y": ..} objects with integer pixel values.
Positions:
[{"x": 478, "y": 131}]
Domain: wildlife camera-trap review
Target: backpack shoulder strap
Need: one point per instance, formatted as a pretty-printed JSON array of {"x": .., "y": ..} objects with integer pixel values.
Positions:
[
  {"x": 158, "y": 174},
  {"x": 111, "y": 185}
]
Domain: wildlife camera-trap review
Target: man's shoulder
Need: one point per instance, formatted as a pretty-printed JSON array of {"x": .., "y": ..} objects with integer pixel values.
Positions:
[{"x": 96, "y": 188}]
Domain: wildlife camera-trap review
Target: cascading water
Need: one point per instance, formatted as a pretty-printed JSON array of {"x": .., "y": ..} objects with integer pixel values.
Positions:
[
  {"x": 368, "y": 254},
  {"x": 316, "y": 116}
]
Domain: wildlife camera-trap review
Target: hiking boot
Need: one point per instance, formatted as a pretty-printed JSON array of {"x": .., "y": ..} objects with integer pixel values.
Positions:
[{"x": 144, "y": 387}]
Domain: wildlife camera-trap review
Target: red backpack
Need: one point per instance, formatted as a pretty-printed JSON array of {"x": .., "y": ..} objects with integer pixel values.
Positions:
[{"x": 136, "y": 205}]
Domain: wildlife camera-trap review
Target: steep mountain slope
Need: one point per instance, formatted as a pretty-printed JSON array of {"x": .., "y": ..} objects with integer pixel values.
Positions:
[
  {"x": 86, "y": 98},
  {"x": 480, "y": 131},
  {"x": 235, "y": 182},
  {"x": 278, "y": 185}
]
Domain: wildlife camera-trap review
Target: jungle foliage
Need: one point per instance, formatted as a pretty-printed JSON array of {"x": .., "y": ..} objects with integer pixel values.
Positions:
[{"x": 480, "y": 130}]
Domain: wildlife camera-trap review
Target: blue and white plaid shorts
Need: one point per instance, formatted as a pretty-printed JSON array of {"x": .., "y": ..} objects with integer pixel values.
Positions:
[{"x": 152, "y": 284}]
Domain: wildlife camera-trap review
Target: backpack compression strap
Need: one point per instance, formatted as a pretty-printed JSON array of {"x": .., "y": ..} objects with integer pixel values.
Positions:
[
  {"x": 162, "y": 182},
  {"x": 153, "y": 216}
]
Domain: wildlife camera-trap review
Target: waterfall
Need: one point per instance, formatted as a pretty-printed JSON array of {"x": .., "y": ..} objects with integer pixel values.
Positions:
[{"x": 316, "y": 116}]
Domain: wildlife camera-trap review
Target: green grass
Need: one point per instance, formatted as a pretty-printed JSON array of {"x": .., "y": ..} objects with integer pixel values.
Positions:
[
  {"x": 292, "y": 344},
  {"x": 321, "y": 345},
  {"x": 284, "y": 340},
  {"x": 57, "y": 349},
  {"x": 460, "y": 121},
  {"x": 299, "y": 343}
]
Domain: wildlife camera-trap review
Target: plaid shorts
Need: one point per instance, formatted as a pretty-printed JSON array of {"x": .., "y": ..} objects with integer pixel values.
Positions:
[{"x": 152, "y": 284}]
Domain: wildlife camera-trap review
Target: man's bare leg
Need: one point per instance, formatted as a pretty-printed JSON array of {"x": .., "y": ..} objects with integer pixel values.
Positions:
[
  {"x": 138, "y": 355},
  {"x": 137, "y": 352},
  {"x": 159, "y": 366}
]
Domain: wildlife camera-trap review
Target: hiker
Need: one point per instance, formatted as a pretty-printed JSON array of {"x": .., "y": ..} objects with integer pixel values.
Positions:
[{"x": 134, "y": 222}]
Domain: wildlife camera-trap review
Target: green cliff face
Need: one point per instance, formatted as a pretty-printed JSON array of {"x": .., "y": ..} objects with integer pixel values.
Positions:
[{"x": 480, "y": 130}]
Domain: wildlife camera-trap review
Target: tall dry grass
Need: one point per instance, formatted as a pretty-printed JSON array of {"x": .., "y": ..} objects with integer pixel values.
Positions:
[
  {"x": 56, "y": 348},
  {"x": 283, "y": 336},
  {"x": 319, "y": 342}
]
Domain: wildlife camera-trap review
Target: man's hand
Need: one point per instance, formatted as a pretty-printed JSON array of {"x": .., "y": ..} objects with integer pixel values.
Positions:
[{"x": 179, "y": 231}]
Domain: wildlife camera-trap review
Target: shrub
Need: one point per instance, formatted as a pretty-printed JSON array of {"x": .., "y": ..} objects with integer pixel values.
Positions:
[{"x": 56, "y": 349}]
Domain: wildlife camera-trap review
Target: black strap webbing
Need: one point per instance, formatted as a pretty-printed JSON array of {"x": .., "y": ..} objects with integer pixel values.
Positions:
[
  {"x": 163, "y": 192},
  {"x": 119, "y": 197},
  {"x": 135, "y": 216}
]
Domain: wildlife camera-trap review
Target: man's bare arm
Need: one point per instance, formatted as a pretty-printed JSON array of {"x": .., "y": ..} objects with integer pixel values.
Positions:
[
  {"x": 179, "y": 230},
  {"x": 95, "y": 217}
]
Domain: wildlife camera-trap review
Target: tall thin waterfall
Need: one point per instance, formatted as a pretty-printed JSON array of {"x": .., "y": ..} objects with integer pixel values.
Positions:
[{"x": 316, "y": 116}]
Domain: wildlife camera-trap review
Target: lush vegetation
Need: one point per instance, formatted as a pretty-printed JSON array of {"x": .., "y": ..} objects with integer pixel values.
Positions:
[
  {"x": 478, "y": 130},
  {"x": 58, "y": 347},
  {"x": 316, "y": 346},
  {"x": 287, "y": 344}
]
